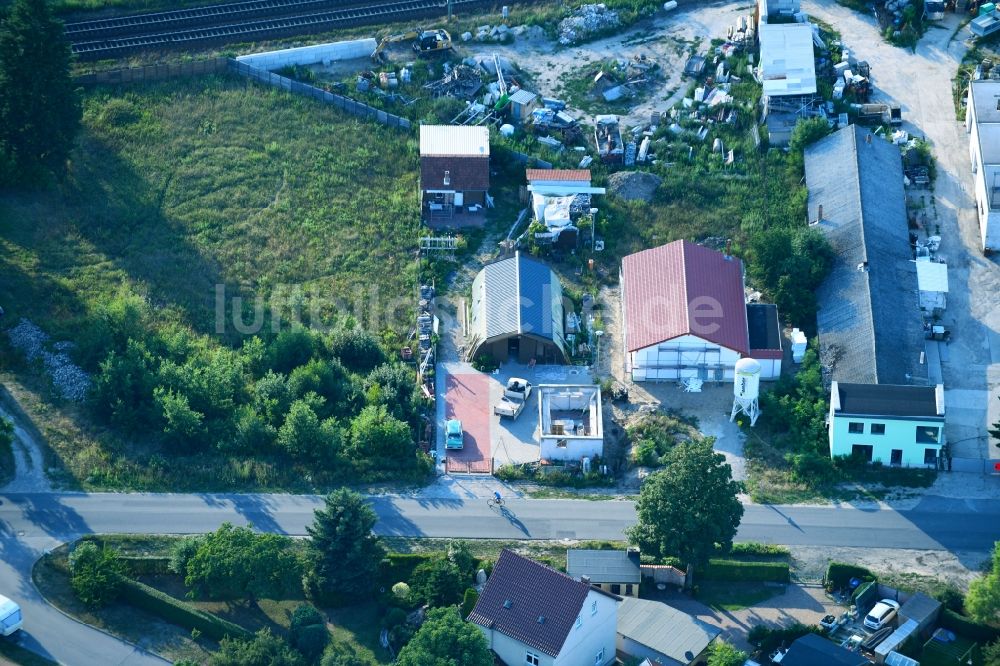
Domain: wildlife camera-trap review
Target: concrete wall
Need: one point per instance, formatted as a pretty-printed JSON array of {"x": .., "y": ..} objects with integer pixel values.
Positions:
[
  {"x": 576, "y": 447},
  {"x": 900, "y": 434},
  {"x": 687, "y": 350},
  {"x": 661, "y": 573},
  {"x": 310, "y": 55}
]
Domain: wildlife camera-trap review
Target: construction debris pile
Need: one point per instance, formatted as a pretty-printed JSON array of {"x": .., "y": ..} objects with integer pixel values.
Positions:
[
  {"x": 586, "y": 21},
  {"x": 633, "y": 185},
  {"x": 620, "y": 77},
  {"x": 460, "y": 81},
  {"x": 68, "y": 379}
]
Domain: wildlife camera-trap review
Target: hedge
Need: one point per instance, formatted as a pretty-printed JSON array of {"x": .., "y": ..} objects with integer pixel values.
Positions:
[
  {"x": 397, "y": 567},
  {"x": 760, "y": 549},
  {"x": 733, "y": 570},
  {"x": 178, "y": 612},
  {"x": 145, "y": 565},
  {"x": 981, "y": 633},
  {"x": 838, "y": 574}
]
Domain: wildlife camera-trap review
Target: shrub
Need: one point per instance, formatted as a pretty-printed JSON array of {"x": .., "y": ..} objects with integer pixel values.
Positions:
[
  {"x": 438, "y": 582},
  {"x": 400, "y": 566},
  {"x": 838, "y": 575},
  {"x": 732, "y": 570},
  {"x": 311, "y": 640},
  {"x": 182, "y": 551},
  {"x": 236, "y": 562},
  {"x": 96, "y": 574},
  {"x": 305, "y": 615},
  {"x": 141, "y": 565},
  {"x": 178, "y": 612},
  {"x": 401, "y": 591},
  {"x": 485, "y": 363},
  {"x": 357, "y": 349},
  {"x": 394, "y": 617},
  {"x": 469, "y": 601}
]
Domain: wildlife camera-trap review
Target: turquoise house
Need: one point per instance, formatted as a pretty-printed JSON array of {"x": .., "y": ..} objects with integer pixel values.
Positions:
[{"x": 895, "y": 425}]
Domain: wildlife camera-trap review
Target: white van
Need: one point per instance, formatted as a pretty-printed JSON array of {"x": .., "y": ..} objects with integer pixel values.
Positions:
[{"x": 10, "y": 616}]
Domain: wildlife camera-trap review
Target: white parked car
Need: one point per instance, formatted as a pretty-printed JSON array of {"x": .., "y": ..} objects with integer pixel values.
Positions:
[
  {"x": 882, "y": 614},
  {"x": 10, "y": 616}
]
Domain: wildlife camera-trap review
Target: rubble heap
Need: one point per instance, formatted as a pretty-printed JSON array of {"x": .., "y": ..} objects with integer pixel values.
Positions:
[
  {"x": 586, "y": 21},
  {"x": 69, "y": 381}
]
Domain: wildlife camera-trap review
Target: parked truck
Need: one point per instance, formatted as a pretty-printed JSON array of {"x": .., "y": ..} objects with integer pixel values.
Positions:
[
  {"x": 515, "y": 396},
  {"x": 878, "y": 114}
]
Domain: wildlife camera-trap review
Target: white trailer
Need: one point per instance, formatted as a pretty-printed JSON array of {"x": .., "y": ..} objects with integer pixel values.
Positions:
[{"x": 511, "y": 408}]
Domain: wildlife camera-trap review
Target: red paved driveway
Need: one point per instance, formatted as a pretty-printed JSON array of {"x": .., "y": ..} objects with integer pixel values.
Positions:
[{"x": 467, "y": 398}]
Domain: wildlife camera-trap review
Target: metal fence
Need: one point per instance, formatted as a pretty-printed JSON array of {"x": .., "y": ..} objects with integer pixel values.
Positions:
[
  {"x": 347, "y": 104},
  {"x": 154, "y": 73}
]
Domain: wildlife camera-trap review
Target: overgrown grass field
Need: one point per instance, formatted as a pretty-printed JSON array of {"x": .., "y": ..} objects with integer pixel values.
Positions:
[{"x": 177, "y": 188}]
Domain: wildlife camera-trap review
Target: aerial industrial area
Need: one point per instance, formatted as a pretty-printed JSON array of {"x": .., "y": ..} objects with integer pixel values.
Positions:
[{"x": 469, "y": 333}]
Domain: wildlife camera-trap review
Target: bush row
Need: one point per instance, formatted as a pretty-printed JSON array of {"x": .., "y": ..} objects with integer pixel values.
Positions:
[
  {"x": 173, "y": 610},
  {"x": 960, "y": 624},
  {"x": 145, "y": 565},
  {"x": 839, "y": 574},
  {"x": 760, "y": 549},
  {"x": 733, "y": 570}
]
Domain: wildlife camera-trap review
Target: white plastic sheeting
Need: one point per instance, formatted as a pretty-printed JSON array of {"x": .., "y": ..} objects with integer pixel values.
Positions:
[
  {"x": 551, "y": 211},
  {"x": 310, "y": 55}
]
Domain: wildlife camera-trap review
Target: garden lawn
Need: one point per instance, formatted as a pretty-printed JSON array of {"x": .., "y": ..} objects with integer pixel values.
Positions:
[{"x": 181, "y": 188}]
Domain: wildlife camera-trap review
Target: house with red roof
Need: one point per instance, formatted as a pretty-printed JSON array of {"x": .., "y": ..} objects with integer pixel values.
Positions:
[
  {"x": 685, "y": 316},
  {"x": 533, "y": 615}
]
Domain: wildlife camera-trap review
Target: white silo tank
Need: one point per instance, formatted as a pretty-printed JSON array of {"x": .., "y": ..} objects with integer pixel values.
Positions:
[{"x": 747, "y": 385}]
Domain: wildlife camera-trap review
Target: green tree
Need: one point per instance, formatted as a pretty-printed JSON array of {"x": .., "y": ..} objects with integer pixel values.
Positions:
[
  {"x": 236, "y": 562},
  {"x": 304, "y": 436},
  {"x": 357, "y": 349},
  {"x": 808, "y": 131},
  {"x": 344, "y": 656},
  {"x": 444, "y": 639},
  {"x": 308, "y": 633},
  {"x": 469, "y": 601},
  {"x": 290, "y": 349},
  {"x": 725, "y": 654},
  {"x": 39, "y": 108},
  {"x": 392, "y": 385},
  {"x": 438, "y": 582},
  {"x": 377, "y": 435},
  {"x": 345, "y": 552},
  {"x": 95, "y": 574},
  {"x": 982, "y": 602},
  {"x": 6, "y": 431},
  {"x": 181, "y": 424},
  {"x": 991, "y": 654},
  {"x": 327, "y": 379},
  {"x": 689, "y": 508},
  {"x": 265, "y": 649}
]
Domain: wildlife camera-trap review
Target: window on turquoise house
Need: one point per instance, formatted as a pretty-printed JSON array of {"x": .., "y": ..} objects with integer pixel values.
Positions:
[
  {"x": 856, "y": 428},
  {"x": 862, "y": 451},
  {"x": 930, "y": 456},
  {"x": 878, "y": 428},
  {"x": 928, "y": 435}
]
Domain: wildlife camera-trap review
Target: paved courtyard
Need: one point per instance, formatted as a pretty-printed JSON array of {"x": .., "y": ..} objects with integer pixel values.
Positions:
[{"x": 469, "y": 395}]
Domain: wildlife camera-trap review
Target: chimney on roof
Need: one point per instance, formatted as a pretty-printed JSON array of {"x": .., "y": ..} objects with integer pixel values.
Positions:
[
  {"x": 447, "y": 177},
  {"x": 729, "y": 249},
  {"x": 585, "y": 579}
]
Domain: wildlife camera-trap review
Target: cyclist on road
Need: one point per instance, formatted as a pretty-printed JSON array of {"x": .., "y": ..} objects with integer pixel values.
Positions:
[{"x": 496, "y": 496}]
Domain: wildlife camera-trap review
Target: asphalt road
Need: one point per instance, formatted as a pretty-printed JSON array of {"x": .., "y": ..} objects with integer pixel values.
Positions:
[{"x": 31, "y": 523}]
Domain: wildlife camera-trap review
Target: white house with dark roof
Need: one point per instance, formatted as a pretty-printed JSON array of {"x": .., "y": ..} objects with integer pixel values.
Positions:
[
  {"x": 982, "y": 122},
  {"x": 902, "y": 426},
  {"x": 533, "y": 615}
]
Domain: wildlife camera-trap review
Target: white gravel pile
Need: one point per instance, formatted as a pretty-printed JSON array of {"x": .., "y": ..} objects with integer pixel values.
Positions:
[
  {"x": 586, "y": 21},
  {"x": 68, "y": 379}
]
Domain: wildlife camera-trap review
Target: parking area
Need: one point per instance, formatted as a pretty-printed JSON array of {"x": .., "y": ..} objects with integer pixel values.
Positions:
[{"x": 491, "y": 441}]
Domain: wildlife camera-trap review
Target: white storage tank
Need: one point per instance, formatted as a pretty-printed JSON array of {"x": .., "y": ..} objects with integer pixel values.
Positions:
[
  {"x": 799, "y": 344},
  {"x": 746, "y": 388}
]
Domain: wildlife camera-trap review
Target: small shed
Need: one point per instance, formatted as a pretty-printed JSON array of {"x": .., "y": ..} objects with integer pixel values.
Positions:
[
  {"x": 658, "y": 632},
  {"x": 932, "y": 281},
  {"x": 614, "y": 571},
  {"x": 921, "y": 609},
  {"x": 570, "y": 421},
  {"x": 522, "y": 103}
]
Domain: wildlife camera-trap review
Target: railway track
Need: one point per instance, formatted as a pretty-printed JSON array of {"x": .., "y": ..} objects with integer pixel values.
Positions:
[{"x": 219, "y": 23}]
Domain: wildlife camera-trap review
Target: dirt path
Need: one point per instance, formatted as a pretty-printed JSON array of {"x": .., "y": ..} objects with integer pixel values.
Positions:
[{"x": 29, "y": 460}]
